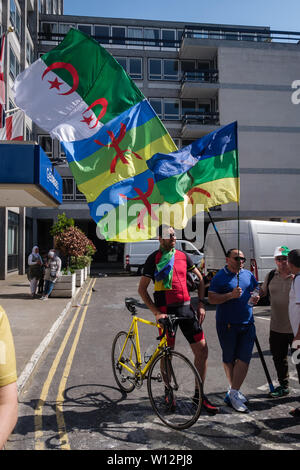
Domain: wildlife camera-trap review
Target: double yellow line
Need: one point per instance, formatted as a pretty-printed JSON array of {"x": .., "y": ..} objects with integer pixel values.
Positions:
[{"x": 38, "y": 416}]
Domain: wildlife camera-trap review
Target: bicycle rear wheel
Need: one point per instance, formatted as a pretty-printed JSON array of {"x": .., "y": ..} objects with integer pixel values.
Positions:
[
  {"x": 123, "y": 376},
  {"x": 171, "y": 385}
]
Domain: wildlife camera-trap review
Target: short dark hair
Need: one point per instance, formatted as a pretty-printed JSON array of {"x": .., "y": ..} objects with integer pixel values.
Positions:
[
  {"x": 161, "y": 230},
  {"x": 228, "y": 253},
  {"x": 294, "y": 258}
]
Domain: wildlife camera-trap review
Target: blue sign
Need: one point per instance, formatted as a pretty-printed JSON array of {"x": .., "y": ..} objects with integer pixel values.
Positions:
[
  {"x": 27, "y": 163},
  {"x": 49, "y": 178}
]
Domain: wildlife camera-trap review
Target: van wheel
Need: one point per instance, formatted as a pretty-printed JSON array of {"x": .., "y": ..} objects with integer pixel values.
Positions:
[{"x": 139, "y": 271}]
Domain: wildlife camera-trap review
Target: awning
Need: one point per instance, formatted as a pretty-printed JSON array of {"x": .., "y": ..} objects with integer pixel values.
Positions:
[{"x": 27, "y": 177}]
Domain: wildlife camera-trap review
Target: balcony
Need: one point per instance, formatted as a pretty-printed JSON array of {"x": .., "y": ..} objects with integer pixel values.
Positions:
[
  {"x": 200, "y": 84},
  {"x": 195, "y": 125}
]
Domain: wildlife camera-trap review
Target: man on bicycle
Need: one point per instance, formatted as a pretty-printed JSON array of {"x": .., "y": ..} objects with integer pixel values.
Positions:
[{"x": 168, "y": 268}]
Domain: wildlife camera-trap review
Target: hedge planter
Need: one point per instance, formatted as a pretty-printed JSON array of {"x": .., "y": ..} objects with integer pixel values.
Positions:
[
  {"x": 65, "y": 286},
  {"x": 79, "y": 277}
]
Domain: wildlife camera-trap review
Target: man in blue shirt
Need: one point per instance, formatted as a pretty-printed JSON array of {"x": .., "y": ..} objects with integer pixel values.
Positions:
[{"x": 230, "y": 289}]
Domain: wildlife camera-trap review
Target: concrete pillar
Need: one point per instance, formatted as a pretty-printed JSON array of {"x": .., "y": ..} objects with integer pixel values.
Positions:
[{"x": 3, "y": 243}]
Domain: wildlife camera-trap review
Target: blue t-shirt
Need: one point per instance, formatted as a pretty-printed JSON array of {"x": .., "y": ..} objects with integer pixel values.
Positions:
[{"x": 235, "y": 310}]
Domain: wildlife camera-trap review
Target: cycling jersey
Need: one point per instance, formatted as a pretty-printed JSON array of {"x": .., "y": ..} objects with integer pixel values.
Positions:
[
  {"x": 177, "y": 299},
  {"x": 179, "y": 293}
]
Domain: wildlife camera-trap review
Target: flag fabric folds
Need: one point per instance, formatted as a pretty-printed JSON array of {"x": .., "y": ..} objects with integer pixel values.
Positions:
[
  {"x": 82, "y": 96},
  {"x": 14, "y": 127},
  {"x": 205, "y": 172},
  {"x": 2, "y": 83}
]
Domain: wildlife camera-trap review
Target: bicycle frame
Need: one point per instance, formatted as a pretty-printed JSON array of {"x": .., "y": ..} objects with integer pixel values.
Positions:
[{"x": 133, "y": 333}]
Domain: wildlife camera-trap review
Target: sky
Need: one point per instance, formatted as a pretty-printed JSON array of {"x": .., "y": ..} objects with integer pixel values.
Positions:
[{"x": 277, "y": 14}]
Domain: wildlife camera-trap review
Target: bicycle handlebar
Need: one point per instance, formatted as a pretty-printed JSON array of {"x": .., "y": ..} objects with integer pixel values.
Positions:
[{"x": 168, "y": 323}]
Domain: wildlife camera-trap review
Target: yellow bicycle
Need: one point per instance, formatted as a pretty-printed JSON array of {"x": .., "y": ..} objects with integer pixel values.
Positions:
[{"x": 171, "y": 378}]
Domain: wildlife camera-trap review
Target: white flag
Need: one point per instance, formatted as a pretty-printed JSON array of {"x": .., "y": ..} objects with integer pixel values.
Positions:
[{"x": 14, "y": 127}]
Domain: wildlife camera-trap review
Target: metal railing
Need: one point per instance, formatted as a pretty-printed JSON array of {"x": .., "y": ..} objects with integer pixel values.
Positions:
[
  {"x": 191, "y": 31},
  {"x": 206, "y": 76},
  {"x": 240, "y": 34},
  {"x": 201, "y": 118}
]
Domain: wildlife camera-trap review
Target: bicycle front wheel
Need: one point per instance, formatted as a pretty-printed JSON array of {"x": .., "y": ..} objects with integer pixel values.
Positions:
[
  {"x": 171, "y": 384},
  {"x": 124, "y": 364}
]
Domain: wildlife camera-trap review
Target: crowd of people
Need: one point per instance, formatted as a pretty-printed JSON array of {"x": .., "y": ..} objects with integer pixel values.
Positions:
[{"x": 232, "y": 290}]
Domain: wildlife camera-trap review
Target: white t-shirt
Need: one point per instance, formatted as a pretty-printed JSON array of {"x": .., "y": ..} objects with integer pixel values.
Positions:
[{"x": 294, "y": 304}]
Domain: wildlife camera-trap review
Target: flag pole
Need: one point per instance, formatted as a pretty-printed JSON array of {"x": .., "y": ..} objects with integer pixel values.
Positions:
[{"x": 216, "y": 230}]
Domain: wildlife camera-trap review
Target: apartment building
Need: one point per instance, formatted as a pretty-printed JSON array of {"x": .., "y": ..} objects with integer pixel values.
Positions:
[{"x": 197, "y": 77}]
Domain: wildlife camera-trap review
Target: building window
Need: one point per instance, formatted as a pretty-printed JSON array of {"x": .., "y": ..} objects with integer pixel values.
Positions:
[
  {"x": 118, "y": 35},
  {"x": 131, "y": 65},
  {"x": 14, "y": 65},
  {"x": 29, "y": 52},
  {"x": 155, "y": 69},
  {"x": 134, "y": 33},
  {"x": 123, "y": 62},
  {"x": 168, "y": 37},
  {"x": 171, "y": 109},
  {"x": 188, "y": 107},
  {"x": 151, "y": 34},
  {"x": 15, "y": 18},
  {"x": 49, "y": 29},
  {"x": 12, "y": 241},
  {"x": 63, "y": 28},
  {"x": 135, "y": 68},
  {"x": 156, "y": 104},
  {"x": 170, "y": 69},
  {"x": 85, "y": 28},
  {"x": 102, "y": 34},
  {"x": 68, "y": 189},
  {"x": 46, "y": 143}
]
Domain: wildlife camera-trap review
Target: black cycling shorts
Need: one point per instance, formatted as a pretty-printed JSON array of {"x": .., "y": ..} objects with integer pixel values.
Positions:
[{"x": 190, "y": 326}]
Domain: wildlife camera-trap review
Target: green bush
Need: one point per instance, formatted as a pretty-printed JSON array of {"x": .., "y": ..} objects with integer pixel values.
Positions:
[{"x": 62, "y": 224}]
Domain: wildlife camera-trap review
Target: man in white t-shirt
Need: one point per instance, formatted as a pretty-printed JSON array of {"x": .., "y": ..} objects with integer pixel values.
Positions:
[{"x": 294, "y": 313}]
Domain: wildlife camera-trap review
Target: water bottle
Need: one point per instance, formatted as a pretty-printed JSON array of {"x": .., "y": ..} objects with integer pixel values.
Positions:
[
  {"x": 254, "y": 294},
  {"x": 149, "y": 352}
]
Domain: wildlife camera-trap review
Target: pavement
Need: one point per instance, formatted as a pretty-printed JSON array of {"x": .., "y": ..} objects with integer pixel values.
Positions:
[{"x": 34, "y": 322}]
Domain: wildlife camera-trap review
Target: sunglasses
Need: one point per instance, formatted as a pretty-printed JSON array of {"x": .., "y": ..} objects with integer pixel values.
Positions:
[
  {"x": 240, "y": 258},
  {"x": 282, "y": 258}
]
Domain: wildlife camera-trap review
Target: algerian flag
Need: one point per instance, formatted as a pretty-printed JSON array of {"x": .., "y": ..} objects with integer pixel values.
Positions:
[{"x": 74, "y": 89}]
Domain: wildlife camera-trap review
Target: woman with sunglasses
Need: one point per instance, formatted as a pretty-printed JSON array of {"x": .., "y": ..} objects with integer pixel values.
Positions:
[{"x": 230, "y": 290}]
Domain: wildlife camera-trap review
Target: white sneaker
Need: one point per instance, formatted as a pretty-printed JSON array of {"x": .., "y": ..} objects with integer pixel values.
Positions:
[
  {"x": 236, "y": 402},
  {"x": 241, "y": 396}
]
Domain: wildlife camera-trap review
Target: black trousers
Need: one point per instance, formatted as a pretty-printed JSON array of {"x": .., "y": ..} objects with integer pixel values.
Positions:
[{"x": 279, "y": 346}]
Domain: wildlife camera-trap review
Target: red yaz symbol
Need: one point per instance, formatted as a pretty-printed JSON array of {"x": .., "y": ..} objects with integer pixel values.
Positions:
[{"x": 144, "y": 198}]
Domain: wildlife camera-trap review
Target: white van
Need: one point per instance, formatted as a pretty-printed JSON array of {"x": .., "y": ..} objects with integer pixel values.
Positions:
[
  {"x": 258, "y": 240},
  {"x": 136, "y": 253}
]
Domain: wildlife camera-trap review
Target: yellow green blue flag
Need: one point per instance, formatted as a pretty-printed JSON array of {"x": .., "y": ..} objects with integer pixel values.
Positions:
[{"x": 205, "y": 173}]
